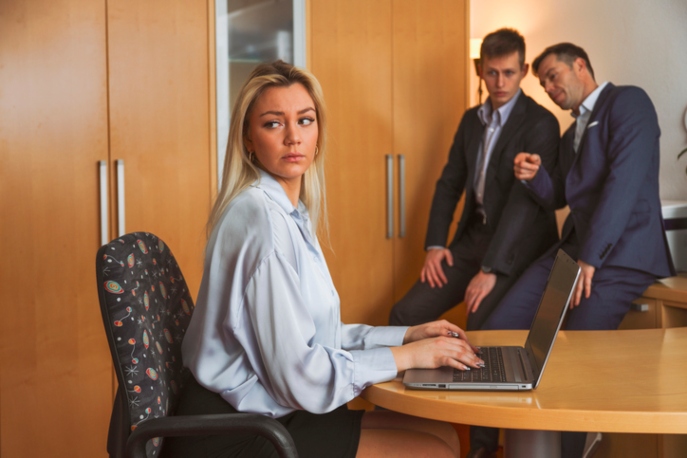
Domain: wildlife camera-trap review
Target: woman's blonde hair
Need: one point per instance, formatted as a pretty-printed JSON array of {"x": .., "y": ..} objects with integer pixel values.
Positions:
[{"x": 240, "y": 172}]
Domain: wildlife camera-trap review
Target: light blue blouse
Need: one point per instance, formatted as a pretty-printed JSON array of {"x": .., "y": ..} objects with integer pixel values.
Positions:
[{"x": 266, "y": 332}]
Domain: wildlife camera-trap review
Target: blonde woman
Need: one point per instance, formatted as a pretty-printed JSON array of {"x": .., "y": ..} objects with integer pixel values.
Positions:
[{"x": 266, "y": 334}]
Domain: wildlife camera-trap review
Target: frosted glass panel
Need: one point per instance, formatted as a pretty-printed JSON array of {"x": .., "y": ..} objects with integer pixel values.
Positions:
[{"x": 249, "y": 32}]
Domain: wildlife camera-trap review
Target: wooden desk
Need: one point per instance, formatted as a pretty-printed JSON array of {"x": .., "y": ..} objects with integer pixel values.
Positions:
[{"x": 644, "y": 391}]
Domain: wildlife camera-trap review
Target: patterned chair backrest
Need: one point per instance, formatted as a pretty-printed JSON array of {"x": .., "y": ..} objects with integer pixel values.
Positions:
[{"x": 146, "y": 309}]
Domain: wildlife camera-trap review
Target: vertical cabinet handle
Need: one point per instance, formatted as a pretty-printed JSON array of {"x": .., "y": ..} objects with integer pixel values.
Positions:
[
  {"x": 102, "y": 167},
  {"x": 120, "y": 198},
  {"x": 389, "y": 196},
  {"x": 402, "y": 195}
]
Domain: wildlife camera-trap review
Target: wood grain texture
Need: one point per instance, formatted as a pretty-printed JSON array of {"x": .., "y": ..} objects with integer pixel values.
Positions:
[
  {"x": 351, "y": 56},
  {"x": 55, "y": 370},
  {"x": 394, "y": 78},
  {"x": 672, "y": 289},
  {"x": 80, "y": 82},
  {"x": 159, "y": 121},
  {"x": 430, "y": 96}
]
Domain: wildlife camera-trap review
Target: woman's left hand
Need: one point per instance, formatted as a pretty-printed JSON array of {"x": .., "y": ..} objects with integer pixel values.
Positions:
[{"x": 435, "y": 329}]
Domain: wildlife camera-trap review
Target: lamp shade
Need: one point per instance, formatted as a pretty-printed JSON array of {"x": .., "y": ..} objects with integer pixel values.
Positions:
[{"x": 475, "y": 45}]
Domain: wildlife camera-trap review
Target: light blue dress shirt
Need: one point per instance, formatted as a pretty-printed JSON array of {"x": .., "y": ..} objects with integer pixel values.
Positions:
[
  {"x": 266, "y": 332},
  {"x": 493, "y": 122}
]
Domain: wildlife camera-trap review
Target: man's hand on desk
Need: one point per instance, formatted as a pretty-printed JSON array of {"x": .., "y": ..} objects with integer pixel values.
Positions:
[
  {"x": 436, "y": 344},
  {"x": 480, "y": 286},
  {"x": 584, "y": 284},
  {"x": 432, "y": 272}
]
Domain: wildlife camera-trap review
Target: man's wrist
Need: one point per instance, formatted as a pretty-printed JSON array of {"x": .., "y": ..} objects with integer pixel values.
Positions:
[{"x": 486, "y": 269}]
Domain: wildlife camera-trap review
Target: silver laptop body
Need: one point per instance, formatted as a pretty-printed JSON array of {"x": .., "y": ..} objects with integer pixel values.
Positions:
[{"x": 522, "y": 367}]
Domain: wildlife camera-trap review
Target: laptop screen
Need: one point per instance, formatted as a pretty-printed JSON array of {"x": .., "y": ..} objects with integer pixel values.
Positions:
[{"x": 552, "y": 308}]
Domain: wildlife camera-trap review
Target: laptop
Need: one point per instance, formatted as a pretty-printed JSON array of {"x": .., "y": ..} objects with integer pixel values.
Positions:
[{"x": 512, "y": 368}]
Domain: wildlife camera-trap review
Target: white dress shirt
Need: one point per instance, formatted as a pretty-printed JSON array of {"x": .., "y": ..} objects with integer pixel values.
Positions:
[
  {"x": 266, "y": 331},
  {"x": 493, "y": 122}
]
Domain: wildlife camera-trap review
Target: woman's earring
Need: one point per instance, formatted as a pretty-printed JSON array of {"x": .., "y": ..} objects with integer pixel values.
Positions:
[
  {"x": 317, "y": 150},
  {"x": 251, "y": 156}
]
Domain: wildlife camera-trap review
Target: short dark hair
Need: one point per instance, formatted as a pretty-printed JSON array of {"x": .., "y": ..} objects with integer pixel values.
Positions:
[
  {"x": 503, "y": 42},
  {"x": 566, "y": 52}
]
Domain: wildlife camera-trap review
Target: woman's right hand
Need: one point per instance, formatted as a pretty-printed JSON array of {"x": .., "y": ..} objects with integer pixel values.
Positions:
[{"x": 436, "y": 352}]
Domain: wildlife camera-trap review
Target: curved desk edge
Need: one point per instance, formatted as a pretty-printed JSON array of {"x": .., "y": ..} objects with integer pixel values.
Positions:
[{"x": 665, "y": 411}]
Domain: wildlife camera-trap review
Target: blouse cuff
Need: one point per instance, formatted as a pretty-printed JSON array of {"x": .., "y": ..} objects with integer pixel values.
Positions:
[
  {"x": 385, "y": 336},
  {"x": 372, "y": 366}
]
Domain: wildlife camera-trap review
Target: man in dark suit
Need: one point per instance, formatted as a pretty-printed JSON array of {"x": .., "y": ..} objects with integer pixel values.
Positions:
[
  {"x": 502, "y": 229},
  {"x": 607, "y": 174}
]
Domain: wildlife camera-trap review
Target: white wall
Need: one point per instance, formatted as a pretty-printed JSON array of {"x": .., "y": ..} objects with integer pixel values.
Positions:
[{"x": 638, "y": 42}]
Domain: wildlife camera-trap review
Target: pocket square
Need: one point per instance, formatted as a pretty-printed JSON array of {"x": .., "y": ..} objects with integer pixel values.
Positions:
[{"x": 592, "y": 124}]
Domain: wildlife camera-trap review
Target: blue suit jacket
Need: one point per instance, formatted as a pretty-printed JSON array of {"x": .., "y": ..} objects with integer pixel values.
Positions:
[{"x": 611, "y": 185}]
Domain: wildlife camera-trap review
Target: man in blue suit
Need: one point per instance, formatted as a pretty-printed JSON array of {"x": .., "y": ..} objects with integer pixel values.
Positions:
[{"x": 607, "y": 173}]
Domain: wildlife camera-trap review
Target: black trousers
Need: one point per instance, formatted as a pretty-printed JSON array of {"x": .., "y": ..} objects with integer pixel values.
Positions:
[
  {"x": 333, "y": 434},
  {"x": 422, "y": 303},
  {"x": 613, "y": 290}
]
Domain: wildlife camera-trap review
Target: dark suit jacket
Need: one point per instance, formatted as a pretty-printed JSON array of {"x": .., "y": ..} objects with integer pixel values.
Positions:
[
  {"x": 611, "y": 185},
  {"x": 522, "y": 228}
]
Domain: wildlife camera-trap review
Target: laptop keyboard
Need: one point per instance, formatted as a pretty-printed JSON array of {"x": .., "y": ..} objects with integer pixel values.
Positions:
[{"x": 493, "y": 370}]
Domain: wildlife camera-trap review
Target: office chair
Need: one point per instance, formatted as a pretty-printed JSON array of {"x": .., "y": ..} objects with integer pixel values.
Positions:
[{"x": 146, "y": 309}]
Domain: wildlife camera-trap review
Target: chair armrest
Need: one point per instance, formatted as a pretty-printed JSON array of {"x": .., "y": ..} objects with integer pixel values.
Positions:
[{"x": 209, "y": 425}]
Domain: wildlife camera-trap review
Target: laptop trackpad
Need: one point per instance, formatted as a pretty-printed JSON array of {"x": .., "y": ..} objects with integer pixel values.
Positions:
[{"x": 440, "y": 375}]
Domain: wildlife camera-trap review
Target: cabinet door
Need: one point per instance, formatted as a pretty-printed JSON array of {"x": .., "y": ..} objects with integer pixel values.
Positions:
[
  {"x": 55, "y": 369},
  {"x": 56, "y": 60},
  {"x": 430, "y": 88},
  {"x": 159, "y": 121},
  {"x": 350, "y": 54}
]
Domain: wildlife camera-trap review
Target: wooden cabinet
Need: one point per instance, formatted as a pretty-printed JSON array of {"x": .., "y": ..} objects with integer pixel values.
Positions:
[
  {"x": 394, "y": 75},
  {"x": 55, "y": 370},
  {"x": 81, "y": 82},
  {"x": 663, "y": 305},
  {"x": 159, "y": 119},
  {"x": 642, "y": 315}
]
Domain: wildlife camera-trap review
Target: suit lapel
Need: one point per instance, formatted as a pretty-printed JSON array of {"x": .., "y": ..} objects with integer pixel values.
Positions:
[
  {"x": 567, "y": 152},
  {"x": 517, "y": 116},
  {"x": 473, "y": 152}
]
